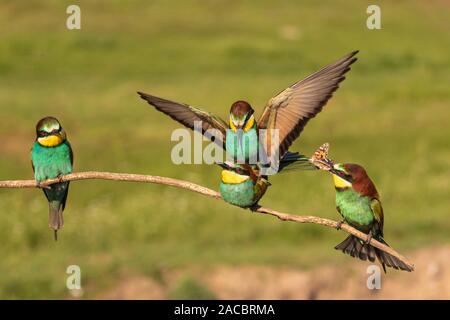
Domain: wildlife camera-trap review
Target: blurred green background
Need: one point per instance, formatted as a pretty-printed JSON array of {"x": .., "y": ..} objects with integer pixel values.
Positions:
[{"x": 390, "y": 114}]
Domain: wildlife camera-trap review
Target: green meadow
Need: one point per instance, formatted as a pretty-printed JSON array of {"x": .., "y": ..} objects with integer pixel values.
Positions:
[{"x": 391, "y": 115}]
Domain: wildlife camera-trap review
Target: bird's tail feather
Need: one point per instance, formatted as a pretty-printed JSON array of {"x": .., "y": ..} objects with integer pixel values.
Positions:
[
  {"x": 389, "y": 260},
  {"x": 357, "y": 248},
  {"x": 295, "y": 161},
  {"x": 55, "y": 218}
]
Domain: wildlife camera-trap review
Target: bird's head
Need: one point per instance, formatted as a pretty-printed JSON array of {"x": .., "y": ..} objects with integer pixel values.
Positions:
[
  {"x": 353, "y": 176},
  {"x": 347, "y": 174},
  {"x": 49, "y": 132},
  {"x": 241, "y": 116}
]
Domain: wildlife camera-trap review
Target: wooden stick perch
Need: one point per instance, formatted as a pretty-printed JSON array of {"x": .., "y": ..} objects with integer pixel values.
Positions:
[{"x": 202, "y": 190}]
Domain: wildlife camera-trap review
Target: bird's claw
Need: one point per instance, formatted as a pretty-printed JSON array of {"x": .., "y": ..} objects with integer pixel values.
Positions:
[
  {"x": 369, "y": 238},
  {"x": 41, "y": 186},
  {"x": 339, "y": 225},
  {"x": 254, "y": 207}
]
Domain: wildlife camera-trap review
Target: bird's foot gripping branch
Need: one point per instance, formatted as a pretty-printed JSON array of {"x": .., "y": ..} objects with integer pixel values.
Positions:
[{"x": 210, "y": 193}]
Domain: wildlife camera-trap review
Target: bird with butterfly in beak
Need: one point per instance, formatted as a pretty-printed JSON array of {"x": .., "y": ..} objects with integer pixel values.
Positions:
[
  {"x": 244, "y": 183},
  {"x": 52, "y": 157},
  {"x": 358, "y": 202}
]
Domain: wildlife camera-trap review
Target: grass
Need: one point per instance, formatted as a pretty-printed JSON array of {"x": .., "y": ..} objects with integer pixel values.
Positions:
[
  {"x": 391, "y": 115},
  {"x": 191, "y": 289}
]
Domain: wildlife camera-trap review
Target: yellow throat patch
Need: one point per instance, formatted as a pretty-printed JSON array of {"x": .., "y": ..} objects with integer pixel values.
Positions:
[
  {"x": 249, "y": 124},
  {"x": 231, "y": 177},
  {"x": 232, "y": 126},
  {"x": 50, "y": 141},
  {"x": 340, "y": 183}
]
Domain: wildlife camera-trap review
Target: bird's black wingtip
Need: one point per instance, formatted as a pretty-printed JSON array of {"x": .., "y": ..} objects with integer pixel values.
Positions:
[
  {"x": 146, "y": 97},
  {"x": 351, "y": 56}
]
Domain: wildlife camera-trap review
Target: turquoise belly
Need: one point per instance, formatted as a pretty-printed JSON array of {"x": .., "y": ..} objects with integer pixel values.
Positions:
[
  {"x": 51, "y": 162},
  {"x": 248, "y": 151},
  {"x": 239, "y": 194}
]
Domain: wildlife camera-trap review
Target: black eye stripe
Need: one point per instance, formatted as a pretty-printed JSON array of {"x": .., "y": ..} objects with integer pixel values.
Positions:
[
  {"x": 249, "y": 115},
  {"x": 342, "y": 174},
  {"x": 43, "y": 133}
]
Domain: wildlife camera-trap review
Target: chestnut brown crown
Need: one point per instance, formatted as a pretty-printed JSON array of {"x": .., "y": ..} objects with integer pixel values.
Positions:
[
  {"x": 241, "y": 108},
  {"x": 361, "y": 181}
]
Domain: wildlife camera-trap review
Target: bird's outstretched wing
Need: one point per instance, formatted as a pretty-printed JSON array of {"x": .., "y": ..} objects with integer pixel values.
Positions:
[
  {"x": 291, "y": 109},
  {"x": 188, "y": 115}
]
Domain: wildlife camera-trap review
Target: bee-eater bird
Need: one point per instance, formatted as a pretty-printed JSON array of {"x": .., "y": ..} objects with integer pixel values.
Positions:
[
  {"x": 52, "y": 157},
  {"x": 358, "y": 202},
  {"x": 242, "y": 187},
  {"x": 287, "y": 114}
]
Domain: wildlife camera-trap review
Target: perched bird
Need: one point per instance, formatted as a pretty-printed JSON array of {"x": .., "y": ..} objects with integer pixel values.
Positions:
[
  {"x": 358, "y": 202},
  {"x": 52, "y": 157},
  {"x": 285, "y": 116},
  {"x": 244, "y": 186}
]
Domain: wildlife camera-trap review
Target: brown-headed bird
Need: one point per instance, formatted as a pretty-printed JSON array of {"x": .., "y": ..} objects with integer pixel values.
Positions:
[
  {"x": 287, "y": 113},
  {"x": 358, "y": 202}
]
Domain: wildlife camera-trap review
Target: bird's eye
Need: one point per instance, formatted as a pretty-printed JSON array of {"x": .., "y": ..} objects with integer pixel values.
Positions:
[
  {"x": 347, "y": 177},
  {"x": 42, "y": 133}
]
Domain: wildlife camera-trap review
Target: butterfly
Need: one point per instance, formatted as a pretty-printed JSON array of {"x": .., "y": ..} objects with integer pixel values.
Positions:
[{"x": 320, "y": 158}]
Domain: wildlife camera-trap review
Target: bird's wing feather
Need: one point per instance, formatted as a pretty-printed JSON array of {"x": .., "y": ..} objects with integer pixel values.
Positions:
[
  {"x": 187, "y": 115},
  {"x": 377, "y": 210},
  {"x": 31, "y": 155},
  {"x": 70, "y": 151},
  {"x": 291, "y": 109},
  {"x": 68, "y": 183},
  {"x": 64, "y": 200}
]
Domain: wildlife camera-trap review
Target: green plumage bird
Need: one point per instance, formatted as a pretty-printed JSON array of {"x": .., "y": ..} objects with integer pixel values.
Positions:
[
  {"x": 286, "y": 115},
  {"x": 52, "y": 157},
  {"x": 358, "y": 202}
]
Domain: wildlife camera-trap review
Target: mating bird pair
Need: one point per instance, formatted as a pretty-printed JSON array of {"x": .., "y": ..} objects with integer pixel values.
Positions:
[{"x": 242, "y": 183}]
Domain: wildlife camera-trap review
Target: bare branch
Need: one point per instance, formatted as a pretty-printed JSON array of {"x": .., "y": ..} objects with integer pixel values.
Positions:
[{"x": 202, "y": 190}]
